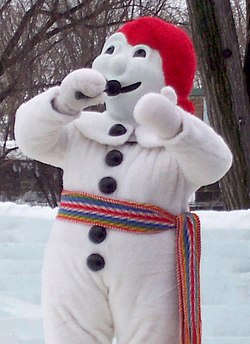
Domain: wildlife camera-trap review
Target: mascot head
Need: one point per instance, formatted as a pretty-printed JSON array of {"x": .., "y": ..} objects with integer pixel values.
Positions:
[{"x": 143, "y": 56}]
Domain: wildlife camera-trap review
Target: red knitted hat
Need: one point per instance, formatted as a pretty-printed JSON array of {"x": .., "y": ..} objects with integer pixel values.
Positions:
[{"x": 176, "y": 51}]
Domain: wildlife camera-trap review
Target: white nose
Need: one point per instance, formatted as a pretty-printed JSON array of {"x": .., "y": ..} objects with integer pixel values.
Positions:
[{"x": 118, "y": 65}]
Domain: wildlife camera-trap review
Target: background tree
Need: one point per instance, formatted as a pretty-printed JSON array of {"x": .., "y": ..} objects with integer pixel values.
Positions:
[
  {"x": 226, "y": 79},
  {"x": 41, "y": 41}
]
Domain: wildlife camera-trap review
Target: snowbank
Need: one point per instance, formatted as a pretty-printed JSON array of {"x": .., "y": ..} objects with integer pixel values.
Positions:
[{"x": 225, "y": 274}]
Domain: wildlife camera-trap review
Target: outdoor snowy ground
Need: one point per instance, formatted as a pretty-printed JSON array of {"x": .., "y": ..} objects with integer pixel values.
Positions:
[{"x": 225, "y": 274}]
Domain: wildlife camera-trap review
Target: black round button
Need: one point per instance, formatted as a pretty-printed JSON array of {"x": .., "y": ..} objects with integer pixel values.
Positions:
[
  {"x": 113, "y": 88},
  {"x": 117, "y": 130},
  {"x": 107, "y": 185},
  {"x": 114, "y": 158},
  {"x": 95, "y": 262},
  {"x": 97, "y": 234}
]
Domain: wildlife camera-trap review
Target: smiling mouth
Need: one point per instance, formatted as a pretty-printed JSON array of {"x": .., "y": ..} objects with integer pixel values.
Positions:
[{"x": 113, "y": 87}]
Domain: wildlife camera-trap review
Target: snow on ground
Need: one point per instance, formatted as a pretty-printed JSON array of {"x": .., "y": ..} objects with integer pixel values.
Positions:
[{"x": 225, "y": 275}]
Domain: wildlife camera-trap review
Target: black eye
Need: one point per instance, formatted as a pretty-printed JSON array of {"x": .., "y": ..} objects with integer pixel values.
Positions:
[
  {"x": 110, "y": 50},
  {"x": 140, "y": 53}
]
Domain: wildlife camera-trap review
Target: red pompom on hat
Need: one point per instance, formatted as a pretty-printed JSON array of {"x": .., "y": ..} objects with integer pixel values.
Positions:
[{"x": 176, "y": 51}]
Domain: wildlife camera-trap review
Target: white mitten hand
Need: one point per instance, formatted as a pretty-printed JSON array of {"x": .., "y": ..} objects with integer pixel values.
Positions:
[
  {"x": 78, "y": 90},
  {"x": 160, "y": 113}
]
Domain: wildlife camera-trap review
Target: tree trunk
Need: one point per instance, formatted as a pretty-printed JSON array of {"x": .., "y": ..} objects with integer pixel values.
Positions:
[
  {"x": 217, "y": 47},
  {"x": 247, "y": 52}
]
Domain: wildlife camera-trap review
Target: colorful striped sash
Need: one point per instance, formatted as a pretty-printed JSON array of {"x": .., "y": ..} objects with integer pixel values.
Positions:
[{"x": 148, "y": 219}]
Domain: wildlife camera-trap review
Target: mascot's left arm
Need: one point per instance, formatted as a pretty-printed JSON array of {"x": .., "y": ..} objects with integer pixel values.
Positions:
[{"x": 202, "y": 154}]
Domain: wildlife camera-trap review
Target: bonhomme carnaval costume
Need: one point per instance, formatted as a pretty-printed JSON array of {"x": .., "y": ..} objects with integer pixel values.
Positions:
[{"x": 121, "y": 259}]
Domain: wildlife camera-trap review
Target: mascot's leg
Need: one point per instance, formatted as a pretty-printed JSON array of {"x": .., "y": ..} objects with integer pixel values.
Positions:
[
  {"x": 75, "y": 304},
  {"x": 144, "y": 298}
]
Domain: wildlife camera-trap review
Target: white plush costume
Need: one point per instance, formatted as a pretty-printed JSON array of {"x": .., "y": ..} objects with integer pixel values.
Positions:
[{"x": 152, "y": 151}]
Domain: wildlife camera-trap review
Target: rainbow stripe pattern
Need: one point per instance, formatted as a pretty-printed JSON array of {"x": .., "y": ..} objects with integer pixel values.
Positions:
[
  {"x": 149, "y": 219},
  {"x": 188, "y": 250}
]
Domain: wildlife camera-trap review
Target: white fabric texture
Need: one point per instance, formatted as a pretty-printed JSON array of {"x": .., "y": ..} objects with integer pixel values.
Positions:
[
  {"x": 135, "y": 295},
  {"x": 78, "y": 81}
]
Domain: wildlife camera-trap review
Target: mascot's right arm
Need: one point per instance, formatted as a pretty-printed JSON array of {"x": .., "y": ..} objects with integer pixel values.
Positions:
[{"x": 42, "y": 126}]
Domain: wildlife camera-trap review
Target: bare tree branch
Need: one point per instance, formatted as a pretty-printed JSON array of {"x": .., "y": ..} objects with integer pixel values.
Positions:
[
  {"x": 5, "y": 4},
  {"x": 41, "y": 41},
  {"x": 16, "y": 36}
]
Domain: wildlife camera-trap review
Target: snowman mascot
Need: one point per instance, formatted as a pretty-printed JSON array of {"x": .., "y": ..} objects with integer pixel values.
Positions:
[{"x": 123, "y": 256}]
